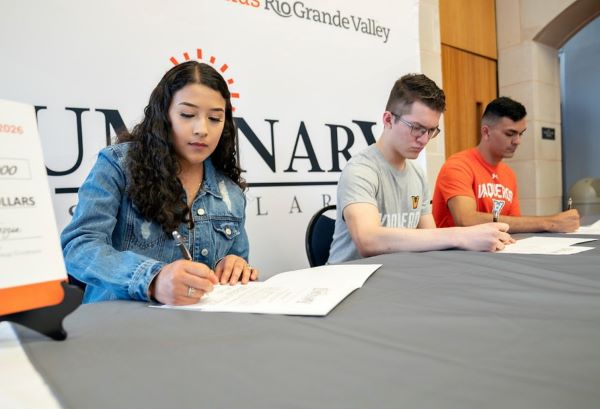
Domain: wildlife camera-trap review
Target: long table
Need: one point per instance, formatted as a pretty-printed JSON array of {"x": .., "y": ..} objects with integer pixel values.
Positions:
[{"x": 444, "y": 329}]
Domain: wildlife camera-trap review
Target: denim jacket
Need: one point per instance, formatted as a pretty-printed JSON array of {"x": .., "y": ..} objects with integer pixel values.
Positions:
[{"x": 117, "y": 253}]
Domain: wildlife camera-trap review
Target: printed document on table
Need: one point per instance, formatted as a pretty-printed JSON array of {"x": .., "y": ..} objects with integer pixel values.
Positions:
[
  {"x": 312, "y": 291},
  {"x": 593, "y": 229},
  {"x": 547, "y": 245}
]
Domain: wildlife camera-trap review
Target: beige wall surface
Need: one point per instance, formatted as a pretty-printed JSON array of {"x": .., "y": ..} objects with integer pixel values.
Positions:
[
  {"x": 528, "y": 71},
  {"x": 431, "y": 65}
]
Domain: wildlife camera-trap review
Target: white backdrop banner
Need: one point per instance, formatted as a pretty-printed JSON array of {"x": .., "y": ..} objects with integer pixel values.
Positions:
[{"x": 309, "y": 78}]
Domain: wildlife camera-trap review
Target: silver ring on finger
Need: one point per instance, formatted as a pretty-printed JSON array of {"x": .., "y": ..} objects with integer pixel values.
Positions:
[{"x": 191, "y": 291}]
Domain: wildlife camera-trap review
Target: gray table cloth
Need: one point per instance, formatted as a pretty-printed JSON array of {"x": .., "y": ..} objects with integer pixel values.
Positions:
[{"x": 444, "y": 329}]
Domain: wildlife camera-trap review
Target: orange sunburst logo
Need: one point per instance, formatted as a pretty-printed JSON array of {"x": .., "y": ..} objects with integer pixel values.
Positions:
[{"x": 212, "y": 61}]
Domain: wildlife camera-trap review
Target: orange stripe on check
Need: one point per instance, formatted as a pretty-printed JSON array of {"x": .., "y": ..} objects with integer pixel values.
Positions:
[{"x": 30, "y": 297}]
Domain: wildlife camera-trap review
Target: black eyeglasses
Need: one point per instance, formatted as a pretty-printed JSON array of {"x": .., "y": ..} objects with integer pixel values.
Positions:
[{"x": 417, "y": 130}]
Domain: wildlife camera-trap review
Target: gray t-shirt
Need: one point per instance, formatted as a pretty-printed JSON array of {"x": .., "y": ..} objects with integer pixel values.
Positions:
[{"x": 401, "y": 197}]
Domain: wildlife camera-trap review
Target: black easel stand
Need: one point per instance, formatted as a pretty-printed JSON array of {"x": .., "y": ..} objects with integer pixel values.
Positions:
[{"x": 48, "y": 320}]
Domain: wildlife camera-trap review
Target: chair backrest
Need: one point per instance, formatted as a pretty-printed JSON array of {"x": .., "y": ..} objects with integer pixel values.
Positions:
[
  {"x": 76, "y": 282},
  {"x": 319, "y": 235}
]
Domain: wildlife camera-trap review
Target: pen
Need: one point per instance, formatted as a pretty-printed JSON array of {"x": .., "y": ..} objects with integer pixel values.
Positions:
[
  {"x": 496, "y": 209},
  {"x": 495, "y": 215},
  {"x": 184, "y": 250},
  {"x": 570, "y": 204}
]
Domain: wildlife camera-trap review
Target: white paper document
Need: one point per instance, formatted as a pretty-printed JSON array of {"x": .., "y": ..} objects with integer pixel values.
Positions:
[
  {"x": 590, "y": 229},
  {"x": 547, "y": 245},
  {"x": 311, "y": 291}
]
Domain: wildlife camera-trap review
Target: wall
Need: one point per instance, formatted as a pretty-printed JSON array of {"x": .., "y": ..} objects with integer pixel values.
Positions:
[
  {"x": 431, "y": 65},
  {"x": 580, "y": 84},
  {"x": 529, "y": 35}
]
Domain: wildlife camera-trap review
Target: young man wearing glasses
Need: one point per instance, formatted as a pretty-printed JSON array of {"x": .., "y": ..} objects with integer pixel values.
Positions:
[
  {"x": 383, "y": 200},
  {"x": 475, "y": 184}
]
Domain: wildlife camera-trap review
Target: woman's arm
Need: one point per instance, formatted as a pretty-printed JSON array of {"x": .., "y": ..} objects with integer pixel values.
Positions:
[{"x": 87, "y": 240}]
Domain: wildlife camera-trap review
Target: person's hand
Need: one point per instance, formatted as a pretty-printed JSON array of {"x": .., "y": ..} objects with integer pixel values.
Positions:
[
  {"x": 486, "y": 237},
  {"x": 564, "y": 222},
  {"x": 182, "y": 282},
  {"x": 233, "y": 269}
]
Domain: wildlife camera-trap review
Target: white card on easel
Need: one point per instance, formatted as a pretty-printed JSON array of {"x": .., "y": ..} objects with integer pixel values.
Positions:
[{"x": 29, "y": 243}]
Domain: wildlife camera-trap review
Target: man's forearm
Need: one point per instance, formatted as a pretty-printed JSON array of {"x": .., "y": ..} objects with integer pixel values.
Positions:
[{"x": 518, "y": 224}]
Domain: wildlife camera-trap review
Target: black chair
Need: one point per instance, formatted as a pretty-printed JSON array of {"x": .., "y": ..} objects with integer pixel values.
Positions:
[
  {"x": 319, "y": 235},
  {"x": 76, "y": 282}
]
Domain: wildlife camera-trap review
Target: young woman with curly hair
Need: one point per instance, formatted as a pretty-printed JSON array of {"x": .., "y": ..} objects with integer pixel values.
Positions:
[{"x": 176, "y": 170}]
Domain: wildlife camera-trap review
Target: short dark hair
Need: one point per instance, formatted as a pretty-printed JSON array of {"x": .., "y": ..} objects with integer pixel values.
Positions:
[
  {"x": 415, "y": 87},
  {"x": 503, "y": 107}
]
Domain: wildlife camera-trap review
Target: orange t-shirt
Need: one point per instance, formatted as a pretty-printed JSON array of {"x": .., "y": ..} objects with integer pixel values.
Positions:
[{"x": 467, "y": 174}]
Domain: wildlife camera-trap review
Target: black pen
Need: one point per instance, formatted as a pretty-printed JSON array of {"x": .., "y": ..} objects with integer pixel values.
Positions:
[
  {"x": 184, "y": 250},
  {"x": 569, "y": 204}
]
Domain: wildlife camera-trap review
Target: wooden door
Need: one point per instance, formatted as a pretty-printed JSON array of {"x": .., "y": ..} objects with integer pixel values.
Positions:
[
  {"x": 470, "y": 84},
  {"x": 469, "y": 55},
  {"x": 469, "y": 25}
]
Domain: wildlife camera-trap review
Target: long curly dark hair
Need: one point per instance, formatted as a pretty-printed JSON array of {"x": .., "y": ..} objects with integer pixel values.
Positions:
[{"x": 152, "y": 163}]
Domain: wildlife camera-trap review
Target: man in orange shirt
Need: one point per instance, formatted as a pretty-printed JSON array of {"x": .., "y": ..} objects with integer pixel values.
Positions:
[{"x": 472, "y": 183}]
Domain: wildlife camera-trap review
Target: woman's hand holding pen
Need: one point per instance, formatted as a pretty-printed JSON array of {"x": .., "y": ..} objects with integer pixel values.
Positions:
[
  {"x": 182, "y": 282},
  {"x": 233, "y": 269}
]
